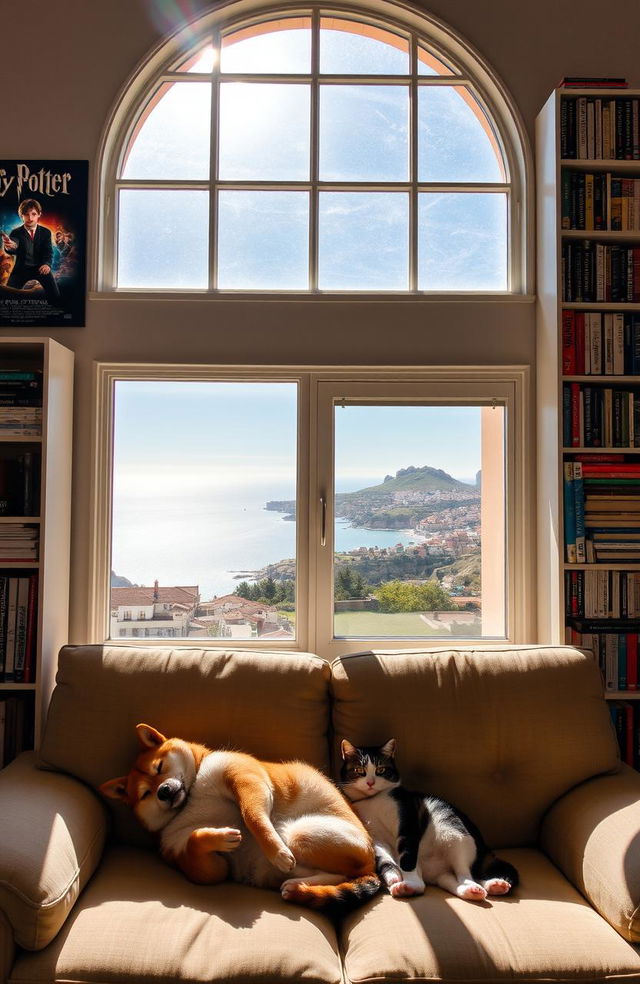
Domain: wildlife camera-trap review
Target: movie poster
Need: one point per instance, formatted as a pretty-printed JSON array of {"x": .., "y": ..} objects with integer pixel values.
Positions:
[{"x": 43, "y": 231}]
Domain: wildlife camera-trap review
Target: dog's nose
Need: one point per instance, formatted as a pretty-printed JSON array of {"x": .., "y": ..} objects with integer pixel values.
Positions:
[{"x": 169, "y": 789}]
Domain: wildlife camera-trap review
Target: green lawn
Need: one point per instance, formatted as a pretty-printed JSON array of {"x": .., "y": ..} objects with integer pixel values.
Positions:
[{"x": 383, "y": 624}]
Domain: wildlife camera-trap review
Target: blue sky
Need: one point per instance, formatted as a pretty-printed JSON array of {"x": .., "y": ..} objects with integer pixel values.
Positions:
[{"x": 214, "y": 435}]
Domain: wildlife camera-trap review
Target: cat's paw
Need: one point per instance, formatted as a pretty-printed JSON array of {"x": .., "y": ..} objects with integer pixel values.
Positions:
[
  {"x": 497, "y": 886},
  {"x": 471, "y": 891},
  {"x": 284, "y": 859},
  {"x": 405, "y": 889}
]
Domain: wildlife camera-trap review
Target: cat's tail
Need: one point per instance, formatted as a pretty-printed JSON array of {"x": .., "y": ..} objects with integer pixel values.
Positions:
[{"x": 334, "y": 900}]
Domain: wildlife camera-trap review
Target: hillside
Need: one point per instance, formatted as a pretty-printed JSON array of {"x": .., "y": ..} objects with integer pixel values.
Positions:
[
  {"x": 413, "y": 479},
  {"x": 417, "y": 483}
]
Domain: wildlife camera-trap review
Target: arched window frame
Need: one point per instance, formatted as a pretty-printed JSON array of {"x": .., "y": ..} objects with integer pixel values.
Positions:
[{"x": 133, "y": 103}]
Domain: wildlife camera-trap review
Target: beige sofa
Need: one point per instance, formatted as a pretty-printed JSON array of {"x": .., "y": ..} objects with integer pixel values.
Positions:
[{"x": 519, "y": 738}]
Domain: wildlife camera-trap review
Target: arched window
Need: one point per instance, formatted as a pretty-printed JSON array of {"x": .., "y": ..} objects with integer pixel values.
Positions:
[{"x": 315, "y": 149}]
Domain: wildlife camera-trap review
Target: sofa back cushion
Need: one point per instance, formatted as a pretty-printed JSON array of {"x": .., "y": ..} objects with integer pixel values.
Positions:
[
  {"x": 499, "y": 732},
  {"x": 272, "y": 705}
]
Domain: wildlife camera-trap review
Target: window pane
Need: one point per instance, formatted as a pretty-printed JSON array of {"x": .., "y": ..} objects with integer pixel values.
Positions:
[
  {"x": 455, "y": 142},
  {"x": 264, "y": 132},
  {"x": 173, "y": 141},
  {"x": 462, "y": 241},
  {"x": 202, "y": 60},
  {"x": 364, "y": 133},
  {"x": 163, "y": 239},
  {"x": 363, "y": 241},
  {"x": 418, "y": 537},
  {"x": 278, "y": 47},
  {"x": 430, "y": 63},
  {"x": 193, "y": 533},
  {"x": 349, "y": 47},
  {"x": 263, "y": 240}
]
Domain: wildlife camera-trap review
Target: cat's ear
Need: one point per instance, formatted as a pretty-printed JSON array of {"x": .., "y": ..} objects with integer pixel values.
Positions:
[
  {"x": 347, "y": 749},
  {"x": 389, "y": 748}
]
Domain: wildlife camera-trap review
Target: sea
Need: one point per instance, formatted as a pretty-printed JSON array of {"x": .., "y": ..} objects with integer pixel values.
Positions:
[{"x": 216, "y": 541}]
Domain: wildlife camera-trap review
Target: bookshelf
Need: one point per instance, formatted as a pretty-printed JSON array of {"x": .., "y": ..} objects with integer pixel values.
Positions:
[
  {"x": 588, "y": 385},
  {"x": 36, "y": 394}
]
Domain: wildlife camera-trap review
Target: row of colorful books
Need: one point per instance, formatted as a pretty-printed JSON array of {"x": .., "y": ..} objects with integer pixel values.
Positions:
[
  {"x": 601, "y": 512},
  {"x": 596, "y": 343},
  {"x": 20, "y": 421},
  {"x": 625, "y": 715},
  {"x": 18, "y": 606},
  {"x": 595, "y": 272},
  {"x": 16, "y": 726},
  {"x": 600, "y": 128},
  {"x": 600, "y": 416},
  {"x": 602, "y": 594},
  {"x": 601, "y": 201},
  {"x": 615, "y": 648}
]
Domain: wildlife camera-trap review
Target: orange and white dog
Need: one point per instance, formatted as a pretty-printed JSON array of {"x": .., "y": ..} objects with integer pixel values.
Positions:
[{"x": 221, "y": 814}]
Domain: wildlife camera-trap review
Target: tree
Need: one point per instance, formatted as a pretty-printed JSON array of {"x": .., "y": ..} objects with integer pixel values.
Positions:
[{"x": 402, "y": 596}]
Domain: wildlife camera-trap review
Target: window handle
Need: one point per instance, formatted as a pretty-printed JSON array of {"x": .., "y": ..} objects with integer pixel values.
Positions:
[{"x": 323, "y": 521}]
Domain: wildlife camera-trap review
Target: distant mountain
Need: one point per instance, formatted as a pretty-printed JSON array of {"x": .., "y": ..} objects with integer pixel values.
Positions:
[
  {"x": 414, "y": 479},
  {"x": 118, "y": 581},
  {"x": 374, "y": 506}
]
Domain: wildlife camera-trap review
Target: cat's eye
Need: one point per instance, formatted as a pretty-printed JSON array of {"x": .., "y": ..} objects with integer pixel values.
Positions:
[
  {"x": 380, "y": 771},
  {"x": 359, "y": 772}
]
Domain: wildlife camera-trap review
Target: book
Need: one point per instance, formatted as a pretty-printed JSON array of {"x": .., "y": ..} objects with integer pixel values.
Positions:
[
  {"x": 22, "y": 605},
  {"x": 593, "y": 81},
  {"x": 579, "y": 512},
  {"x": 32, "y": 609},
  {"x": 569, "y": 515},
  {"x": 10, "y": 646}
]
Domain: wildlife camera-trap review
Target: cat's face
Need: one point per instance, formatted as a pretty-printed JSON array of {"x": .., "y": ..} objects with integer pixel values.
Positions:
[{"x": 368, "y": 771}]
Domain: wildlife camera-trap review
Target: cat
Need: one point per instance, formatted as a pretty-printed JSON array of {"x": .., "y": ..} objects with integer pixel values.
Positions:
[{"x": 419, "y": 839}]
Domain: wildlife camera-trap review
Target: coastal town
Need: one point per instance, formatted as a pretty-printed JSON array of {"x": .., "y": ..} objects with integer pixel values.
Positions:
[{"x": 440, "y": 514}]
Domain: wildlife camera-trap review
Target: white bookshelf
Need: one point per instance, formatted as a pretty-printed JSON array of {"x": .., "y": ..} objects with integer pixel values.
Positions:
[
  {"x": 53, "y": 518},
  {"x": 551, "y": 166}
]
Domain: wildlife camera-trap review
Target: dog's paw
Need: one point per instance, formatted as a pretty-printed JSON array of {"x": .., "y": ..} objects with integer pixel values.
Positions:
[
  {"x": 284, "y": 859},
  {"x": 230, "y": 838}
]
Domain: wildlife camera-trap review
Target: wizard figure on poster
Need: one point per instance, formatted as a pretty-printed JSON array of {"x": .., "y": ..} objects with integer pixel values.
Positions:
[
  {"x": 31, "y": 244},
  {"x": 42, "y": 231}
]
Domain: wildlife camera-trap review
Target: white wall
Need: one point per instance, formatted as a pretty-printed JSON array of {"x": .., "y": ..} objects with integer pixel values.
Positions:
[{"x": 63, "y": 66}]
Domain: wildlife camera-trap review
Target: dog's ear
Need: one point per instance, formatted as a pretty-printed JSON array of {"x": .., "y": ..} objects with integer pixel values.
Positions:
[
  {"x": 115, "y": 789},
  {"x": 149, "y": 737}
]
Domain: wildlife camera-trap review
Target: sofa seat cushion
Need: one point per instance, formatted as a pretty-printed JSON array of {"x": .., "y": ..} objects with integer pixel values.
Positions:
[
  {"x": 139, "y": 920},
  {"x": 545, "y": 931}
]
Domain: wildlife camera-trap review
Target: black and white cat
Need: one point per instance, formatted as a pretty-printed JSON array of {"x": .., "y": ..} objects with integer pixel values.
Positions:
[{"x": 419, "y": 839}]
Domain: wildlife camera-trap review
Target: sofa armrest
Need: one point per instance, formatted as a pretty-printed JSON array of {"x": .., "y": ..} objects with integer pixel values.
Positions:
[
  {"x": 592, "y": 834},
  {"x": 7, "y": 948},
  {"x": 52, "y": 832}
]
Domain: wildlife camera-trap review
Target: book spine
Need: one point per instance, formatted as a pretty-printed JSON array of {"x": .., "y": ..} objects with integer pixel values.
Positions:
[
  {"x": 578, "y": 500},
  {"x": 21, "y": 628},
  {"x": 569, "y": 515},
  {"x": 31, "y": 641}
]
